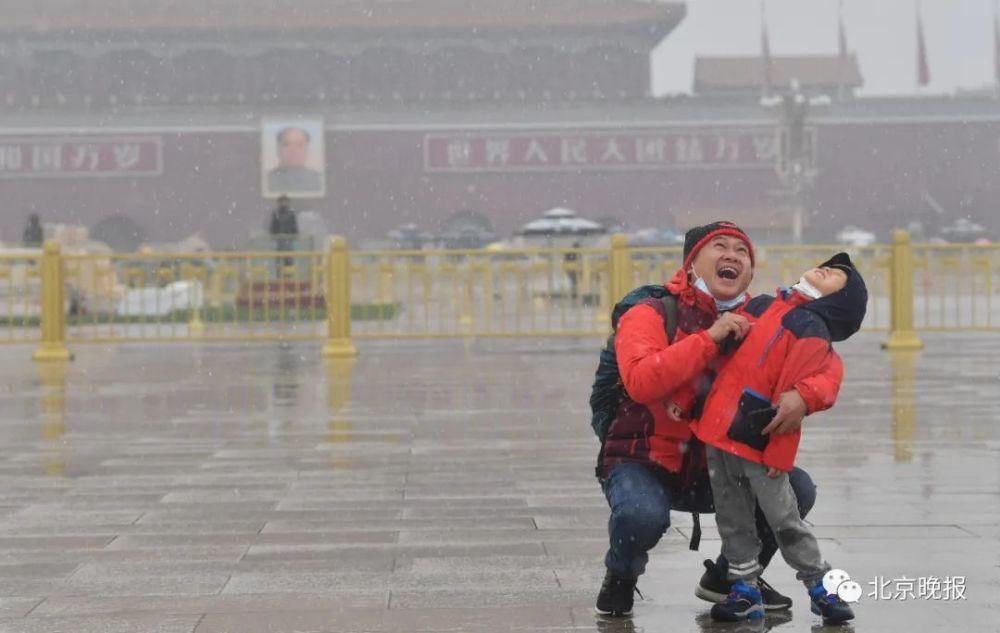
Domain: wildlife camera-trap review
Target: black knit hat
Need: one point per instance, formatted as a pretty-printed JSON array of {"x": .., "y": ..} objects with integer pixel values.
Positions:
[
  {"x": 698, "y": 236},
  {"x": 841, "y": 261},
  {"x": 844, "y": 310}
]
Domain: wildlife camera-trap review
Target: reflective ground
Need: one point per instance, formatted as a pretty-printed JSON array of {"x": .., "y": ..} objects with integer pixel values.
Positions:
[{"x": 447, "y": 486}]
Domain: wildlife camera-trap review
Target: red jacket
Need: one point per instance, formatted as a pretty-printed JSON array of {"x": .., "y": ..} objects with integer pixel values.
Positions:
[
  {"x": 788, "y": 348},
  {"x": 660, "y": 376}
]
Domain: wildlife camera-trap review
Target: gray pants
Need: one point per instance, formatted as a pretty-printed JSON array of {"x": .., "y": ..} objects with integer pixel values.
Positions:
[{"x": 738, "y": 486}]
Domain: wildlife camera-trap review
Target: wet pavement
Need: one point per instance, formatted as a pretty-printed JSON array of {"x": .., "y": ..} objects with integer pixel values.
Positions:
[{"x": 447, "y": 486}]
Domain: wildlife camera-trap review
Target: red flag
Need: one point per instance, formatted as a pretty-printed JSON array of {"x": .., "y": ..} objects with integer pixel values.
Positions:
[
  {"x": 765, "y": 52},
  {"x": 923, "y": 70}
]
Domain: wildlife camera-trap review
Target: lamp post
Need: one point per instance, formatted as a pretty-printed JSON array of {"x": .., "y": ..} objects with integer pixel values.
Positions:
[{"x": 796, "y": 156}]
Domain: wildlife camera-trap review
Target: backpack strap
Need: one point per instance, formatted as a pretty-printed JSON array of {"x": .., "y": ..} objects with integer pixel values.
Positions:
[
  {"x": 695, "y": 532},
  {"x": 669, "y": 302},
  {"x": 670, "y": 310},
  {"x": 670, "y": 315},
  {"x": 598, "y": 469},
  {"x": 689, "y": 479},
  {"x": 670, "y": 323}
]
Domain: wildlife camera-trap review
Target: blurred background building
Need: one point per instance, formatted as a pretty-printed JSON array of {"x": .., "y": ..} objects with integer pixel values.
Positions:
[{"x": 144, "y": 117}]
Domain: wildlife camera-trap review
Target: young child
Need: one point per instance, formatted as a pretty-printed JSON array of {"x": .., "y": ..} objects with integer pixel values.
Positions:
[{"x": 788, "y": 348}]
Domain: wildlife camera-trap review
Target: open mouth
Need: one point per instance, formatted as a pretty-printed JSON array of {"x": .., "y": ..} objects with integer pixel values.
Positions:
[{"x": 728, "y": 272}]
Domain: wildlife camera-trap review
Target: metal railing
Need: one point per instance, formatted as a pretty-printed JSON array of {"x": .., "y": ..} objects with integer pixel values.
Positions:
[
  {"x": 524, "y": 292},
  {"x": 953, "y": 286},
  {"x": 20, "y": 296},
  {"x": 340, "y": 295},
  {"x": 212, "y": 296}
]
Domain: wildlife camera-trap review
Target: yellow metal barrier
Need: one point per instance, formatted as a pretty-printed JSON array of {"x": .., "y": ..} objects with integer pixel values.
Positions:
[
  {"x": 20, "y": 296},
  {"x": 953, "y": 286},
  {"x": 621, "y": 268},
  {"x": 268, "y": 295},
  {"x": 338, "y": 301},
  {"x": 339, "y": 295},
  {"x": 901, "y": 335},
  {"x": 53, "y": 347},
  {"x": 515, "y": 292}
]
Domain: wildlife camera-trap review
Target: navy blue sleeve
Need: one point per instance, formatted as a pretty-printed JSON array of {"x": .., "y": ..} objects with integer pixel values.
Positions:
[
  {"x": 758, "y": 305},
  {"x": 805, "y": 324}
]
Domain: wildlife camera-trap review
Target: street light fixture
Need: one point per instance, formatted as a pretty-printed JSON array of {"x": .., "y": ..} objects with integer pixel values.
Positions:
[{"x": 796, "y": 156}]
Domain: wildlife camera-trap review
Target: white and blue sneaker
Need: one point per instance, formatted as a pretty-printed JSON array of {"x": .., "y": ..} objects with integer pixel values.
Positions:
[{"x": 744, "y": 602}]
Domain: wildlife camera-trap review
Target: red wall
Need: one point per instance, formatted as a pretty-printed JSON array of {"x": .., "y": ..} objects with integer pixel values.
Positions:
[{"x": 872, "y": 174}]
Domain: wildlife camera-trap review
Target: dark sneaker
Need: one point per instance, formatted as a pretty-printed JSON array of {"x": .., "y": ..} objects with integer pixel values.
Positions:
[
  {"x": 833, "y": 609},
  {"x": 773, "y": 601},
  {"x": 616, "y": 597},
  {"x": 713, "y": 587},
  {"x": 742, "y": 603}
]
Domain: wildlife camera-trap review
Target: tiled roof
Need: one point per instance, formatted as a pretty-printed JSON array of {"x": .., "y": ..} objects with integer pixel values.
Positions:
[
  {"x": 269, "y": 15},
  {"x": 744, "y": 72}
]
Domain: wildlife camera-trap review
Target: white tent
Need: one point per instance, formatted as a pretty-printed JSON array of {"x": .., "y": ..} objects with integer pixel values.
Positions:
[{"x": 561, "y": 221}]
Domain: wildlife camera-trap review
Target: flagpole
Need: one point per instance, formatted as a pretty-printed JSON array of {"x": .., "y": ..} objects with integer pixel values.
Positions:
[
  {"x": 996, "y": 53},
  {"x": 765, "y": 51},
  {"x": 842, "y": 50},
  {"x": 923, "y": 68},
  {"x": 916, "y": 12}
]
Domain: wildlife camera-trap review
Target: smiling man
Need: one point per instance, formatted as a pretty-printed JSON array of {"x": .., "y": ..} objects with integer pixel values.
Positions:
[{"x": 650, "y": 462}]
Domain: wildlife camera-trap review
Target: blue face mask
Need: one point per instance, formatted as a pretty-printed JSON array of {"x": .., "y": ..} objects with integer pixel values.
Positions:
[{"x": 722, "y": 305}]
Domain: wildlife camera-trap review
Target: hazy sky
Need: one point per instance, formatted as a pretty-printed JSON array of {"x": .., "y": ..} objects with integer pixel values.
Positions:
[{"x": 959, "y": 36}]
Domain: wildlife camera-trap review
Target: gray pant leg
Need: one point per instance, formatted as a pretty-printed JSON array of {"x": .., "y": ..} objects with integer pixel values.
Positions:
[
  {"x": 798, "y": 546},
  {"x": 734, "y": 514}
]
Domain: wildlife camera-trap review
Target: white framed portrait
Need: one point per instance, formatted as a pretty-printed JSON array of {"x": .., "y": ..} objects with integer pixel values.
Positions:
[{"x": 293, "y": 157}]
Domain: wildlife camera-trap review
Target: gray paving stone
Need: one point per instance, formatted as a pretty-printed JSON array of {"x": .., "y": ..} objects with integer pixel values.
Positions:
[
  {"x": 51, "y": 542},
  {"x": 32, "y": 571},
  {"x": 103, "y": 624},
  {"x": 221, "y": 553},
  {"x": 400, "y": 551},
  {"x": 165, "y": 542},
  {"x": 326, "y": 537},
  {"x": 399, "y": 524},
  {"x": 397, "y": 620},
  {"x": 17, "y": 607},
  {"x": 345, "y": 584},
  {"x": 100, "y": 580},
  {"x": 447, "y": 495}
]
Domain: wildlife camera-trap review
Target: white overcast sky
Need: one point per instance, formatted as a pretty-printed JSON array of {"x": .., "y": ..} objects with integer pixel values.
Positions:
[{"x": 959, "y": 36}]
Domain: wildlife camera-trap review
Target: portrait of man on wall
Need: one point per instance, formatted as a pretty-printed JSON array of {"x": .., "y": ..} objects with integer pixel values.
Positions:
[{"x": 293, "y": 160}]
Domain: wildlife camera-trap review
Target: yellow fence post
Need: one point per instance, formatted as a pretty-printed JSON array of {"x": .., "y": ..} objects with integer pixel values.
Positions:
[
  {"x": 53, "y": 313},
  {"x": 338, "y": 301},
  {"x": 901, "y": 333},
  {"x": 195, "y": 275},
  {"x": 385, "y": 286},
  {"x": 465, "y": 318},
  {"x": 619, "y": 269}
]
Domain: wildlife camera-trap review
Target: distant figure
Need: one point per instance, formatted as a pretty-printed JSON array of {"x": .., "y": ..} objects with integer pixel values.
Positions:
[
  {"x": 284, "y": 227},
  {"x": 292, "y": 175},
  {"x": 33, "y": 233},
  {"x": 570, "y": 259}
]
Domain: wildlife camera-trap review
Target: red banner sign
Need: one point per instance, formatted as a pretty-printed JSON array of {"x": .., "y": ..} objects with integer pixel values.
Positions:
[
  {"x": 601, "y": 150},
  {"x": 80, "y": 156}
]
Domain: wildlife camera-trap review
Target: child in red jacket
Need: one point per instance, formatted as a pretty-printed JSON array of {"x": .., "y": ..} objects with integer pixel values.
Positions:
[{"x": 789, "y": 347}]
